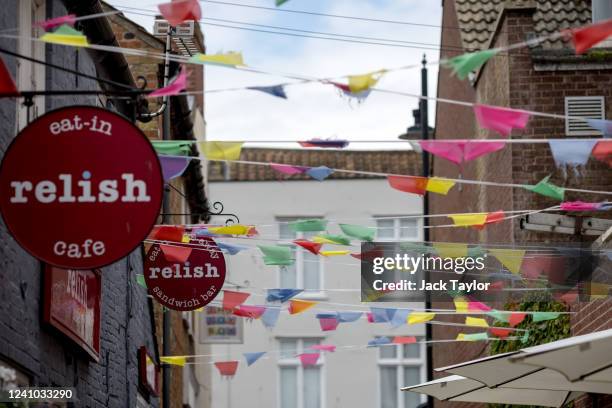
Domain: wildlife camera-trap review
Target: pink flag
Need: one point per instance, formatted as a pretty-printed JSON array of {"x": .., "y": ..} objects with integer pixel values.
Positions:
[
  {"x": 579, "y": 206},
  {"x": 370, "y": 317},
  {"x": 586, "y": 37},
  {"x": 324, "y": 347},
  {"x": 458, "y": 151},
  {"x": 250, "y": 312},
  {"x": 179, "y": 83},
  {"x": 69, "y": 19},
  {"x": 502, "y": 120},
  {"x": 232, "y": 299},
  {"x": 179, "y": 11},
  {"x": 175, "y": 253},
  {"x": 328, "y": 324},
  {"x": 288, "y": 169},
  {"x": 474, "y": 305},
  {"x": 404, "y": 340},
  {"x": 309, "y": 359},
  {"x": 227, "y": 368}
]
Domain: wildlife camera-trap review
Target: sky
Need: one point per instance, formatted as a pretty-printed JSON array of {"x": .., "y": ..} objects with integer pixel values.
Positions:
[{"x": 314, "y": 110}]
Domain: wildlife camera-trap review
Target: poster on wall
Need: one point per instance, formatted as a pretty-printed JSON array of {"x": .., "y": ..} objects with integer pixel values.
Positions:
[
  {"x": 72, "y": 305},
  {"x": 220, "y": 326},
  {"x": 80, "y": 187}
]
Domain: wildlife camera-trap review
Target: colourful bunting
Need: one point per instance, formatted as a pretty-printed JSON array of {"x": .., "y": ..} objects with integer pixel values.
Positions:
[
  {"x": 47, "y": 25},
  {"x": 346, "y": 90},
  {"x": 231, "y": 249},
  {"x": 270, "y": 317},
  {"x": 277, "y": 255},
  {"x": 234, "y": 229},
  {"x": 308, "y": 359},
  {"x": 173, "y": 167},
  {"x": 230, "y": 59},
  {"x": 288, "y": 169},
  {"x": 404, "y": 340},
  {"x": 7, "y": 84},
  {"x": 381, "y": 315},
  {"x": 463, "y": 64},
  {"x": 439, "y": 185},
  {"x": 474, "y": 305},
  {"x": 331, "y": 239},
  {"x": 461, "y": 305},
  {"x": 361, "y": 83},
  {"x": 499, "y": 316},
  {"x": 179, "y": 11},
  {"x": 469, "y": 220},
  {"x": 320, "y": 173},
  {"x": 311, "y": 247},
  {"x": 459, "y": 151},
  {"x": 543, "y": 316},
  {"x": 66, "y": 35},
  {"x": 232, "y": 299},
  {"x": 379, "y": 341},
  {"x": 276, "y": 90},
  {"x": 501, "y": 120},
  {"x": 516, "y": 318},
  {"x": 399, "y": 318},
  {"x": 451, "y": 250},
  {"x": 603, "y": 152},
  {"x": 280, "y": 2},
  {"x": 473, "y": 336},
  {"x": 174, "y": 360},
  {"x": 299, "y": 306},
  {"x": 250, "y": 312},
  {"x": 312, "y": 225},
  {"x": 175, "y": 253},
  {"x": 172, "y": 148},
  {"x": 359, "y": 232},
  {"x": 325, "y": 143},
  {"x": 420, "y": 317},
  {"x": 475, "y": 322},
  {"x": 324, "y": 347},
  {"x": 510, "y": 258},
  {"x": 227, "y": 368},
  {"x": 175, "y": 87},
  {"x": 571, "y": 152},
  {"x": 334, "y": 253},
  {"x": 369, "y": 254},
  {"x": 282, "y": 295},
  {"x": 492, "y": 218},
  {"x": 590, "y": 35},
  {"x": 580, "y": 206},
  {"x": 221, "y": 150},
  {"x": 173, "y": 233},
  {"x": 547, "y": 189},
  {"x": 251, "y": 358},
  {"x": 140, "y": 279},
  {"x": 348, "y": 317},
  {"x": 328, "y": 324},
  {"x": 604, "y": 126},
  {"x": 408, "y": 184},
  {"x": 500, "y": 332}
]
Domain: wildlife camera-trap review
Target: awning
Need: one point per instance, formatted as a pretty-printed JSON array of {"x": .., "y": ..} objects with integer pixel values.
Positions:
[{"x": 458, "y": 388}]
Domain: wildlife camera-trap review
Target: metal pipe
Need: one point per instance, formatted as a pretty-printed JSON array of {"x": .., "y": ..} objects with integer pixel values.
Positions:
[{"x": 165, "y": 99}]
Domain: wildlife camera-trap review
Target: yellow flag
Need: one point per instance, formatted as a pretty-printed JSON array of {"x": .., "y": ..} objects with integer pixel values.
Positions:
[
  {"x": 439, "y": 185},
  {"x": 230, "y": 59},
  {"x": 598, "y": 290},
  {"x": 420, "y": 317},
  {"x": 186, "y": 239},
  {"x": 476, "y": 322},
  {"x": 322, "y": 240},
  {"x": 360, "y": 83},
  {"x": 231, "y": 230},
  {"x": 466, "y": 220},
  {"x": 62, "y": 39},
  {"x": 221, "y": 150},
  {"x": 461, "y": 305},
  {"x": 334, "y": 253},
  {"x": 461, "y": 336},
  {"x": 510, "y": 258},
  {"x": 174, "y": 360},
  {"x": 451, "y": 250},
  {"x": 299, "y": 306}
]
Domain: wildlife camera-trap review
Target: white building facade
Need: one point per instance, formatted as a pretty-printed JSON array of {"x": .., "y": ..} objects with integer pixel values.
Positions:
[{"x": 270, "y": 202}]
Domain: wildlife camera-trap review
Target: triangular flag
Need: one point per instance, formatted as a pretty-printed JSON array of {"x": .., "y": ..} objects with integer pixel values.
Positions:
[
  {"x": 461, "y": 305},
  {"x": 335, "y": 253},
  {"x": 459, "y": 151},
  {"x": 172, "y": 148},
  {"x": 404, "y": 340},
  {"x": 311, "y": 247},
  {"x": 277, "y": 255},
  {"x": 324, "y": 347},
  {"x": 7, "y": 84},
  {"x": 597, "y": 290},
  {"x": 231, "y": 59},
  {"x": 270, "y": 317},
  {"x": 463, "y": 64},
  {"x": 474, "y": 305},
  {"x": 313, "y": 225},
  {"x": 250, "y": 312},
  {"x": 282, "y": 295},
  {"x": 320, "y": 173},
  {"x": 173, "y": 233},
  {"x": 579, "y": 206},
  {"x": 501, "y": 120},
  {"x": 348, "y": 317},
  {"x": 516, "y": 318},
  {"x": 492, "y": 218},
  {"x": 288, "y": 169},
  {"x": 547, "y": 189},
  {"x": 359, "y": 232},
  {"x": 173, "y": 88},
  {"x": 299, "y": 306},
  {"x": 325, "y": 143},
  {"x": 604, "y": 126},
  {"x": 379, "y": 341},
  {"x": 328, "y": 324},
  {"x": 234, "y": 229},
  {"x": 476, "y": 322},
  {"x": 571, "y": 152},
  {"x": 603, "y": 152},
  {"x": 280, "y": 2},
  {"x": 451, "y": 250},
  {"x": 66, "y": 35},
  {"x": 69, "y": 20},
  {"x": 590, "y": 35},
  {"x": 140, "y": 279},
  {"x": 439, "y": 185},
  {"x": 510, "y": 258},
  {"x": 360, "y": 83},
  {"x": 499, "y": 316},
  {"x": 251, "y": 358},
  {"x": 420, "y": 317},
  {"x": 408, "y": 184},
  {"x": 309, "y": 359},
  {"x": 174, "y": 360},
  {"x": 468, "y": 220},
  {"x": 543, "y": 316},
  {"x": 227, "y": 368},
  {"x": 173, "y": 167},
  {"x": 232, "y": 299},
  {"x": 221, "y": 150},
  {"x": 381, "y": 315},
  {"x": 331, "y": 239},
  {"x": 276, "y": 90},
  {"x": 176, "y": 253},
  {"x": 472, "y": 336},
  {"x": 179, "y": 11},
  {"x": 500, "y": 332},
  {"x": 399, "y": 318}
]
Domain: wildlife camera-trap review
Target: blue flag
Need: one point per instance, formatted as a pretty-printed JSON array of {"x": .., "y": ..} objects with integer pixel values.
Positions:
[
  {"x": 253, "y": 357},
  {"x": 399, "y": 318},
  {"x": 282, "y": 295},
  {"x": 348, "y": 317},
  {"x": 270, "y": 317},
  {"x": 276, "y": 90},
  {"x": 379, "y": 341},
  {"x": 319, "y": 173}
]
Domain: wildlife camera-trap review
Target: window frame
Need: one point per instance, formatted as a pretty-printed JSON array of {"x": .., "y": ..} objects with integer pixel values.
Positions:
[
  {"x": 397, "y": 219},
  {"x": 399, "y": 362}
]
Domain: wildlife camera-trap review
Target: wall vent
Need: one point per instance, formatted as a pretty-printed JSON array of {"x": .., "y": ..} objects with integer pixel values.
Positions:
[{"x": 591, "y": 107}]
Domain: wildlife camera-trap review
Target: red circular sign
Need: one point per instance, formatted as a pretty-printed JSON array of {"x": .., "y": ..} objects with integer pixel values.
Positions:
[
  {"x": 185, "y": 277},
  {"x": 80, "y": 187}
]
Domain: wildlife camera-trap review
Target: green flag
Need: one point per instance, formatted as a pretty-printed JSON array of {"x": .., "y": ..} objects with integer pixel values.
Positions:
[
  {"x": 174, "y": 148},
  {"x": 476, "y": 336},
  {"x": 277, "y": 255},
  {"x": 462, "y": 65},
  {"x": 280, "y": 2},
  {"x": 543, "y": 316},
  {"x": 525, "y": 337},
  {"x": 331, "y": 239},
  {"x": 308, "y": 225},
  {"x": 359, "y": 232},
  {"x": 547, "y": 189},
  {"x": 499, "y": 316},
  {"x": 140, "y": 279}
]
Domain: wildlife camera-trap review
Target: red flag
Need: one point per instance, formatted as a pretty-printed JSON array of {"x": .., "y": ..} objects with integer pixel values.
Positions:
[
  {"x": 404, "y": 340},
  {"x": 603, "y": 152},
  {"x": 408, "y": 184},
  {"x": 7, "y": 84},
  {"x": 328, "y": 324},
  {"x": 516, "y": 318},
  {"x": 232, "y": 299},
  {"x": 500, "y": 332},
  {"x": 175, "y": 253},
  {"x": 250, "y": 312},
  {"x": 310, "y": 246},
  {"x": 227, "y": 368},
  {"x": 167, "y": 233},
  {"x": 370, "y": 254},
  {"x": 492, "y": 218},
  {"x": 179, "y": 11},
  {"x": 586, "y": 37}
]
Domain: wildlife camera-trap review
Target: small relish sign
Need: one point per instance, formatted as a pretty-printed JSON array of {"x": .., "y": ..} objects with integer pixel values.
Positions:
[
  {"x": 184, "y": 278},
  {"x": 80, "y": 187}
]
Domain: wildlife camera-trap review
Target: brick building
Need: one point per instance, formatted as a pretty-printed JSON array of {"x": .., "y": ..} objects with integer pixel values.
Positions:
[{"x": 546, "y": 78}]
